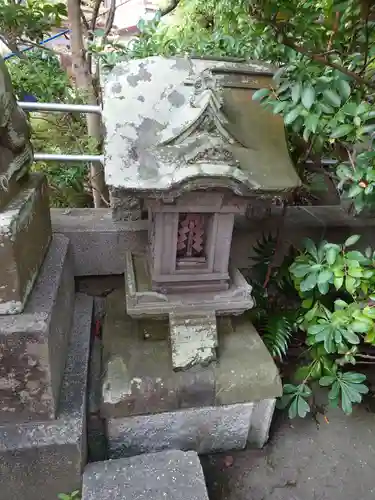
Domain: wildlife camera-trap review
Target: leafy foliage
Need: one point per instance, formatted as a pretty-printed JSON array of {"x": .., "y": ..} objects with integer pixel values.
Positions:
[
  {"x": 75, "y": 495},
  {"x": 275, "y": 315},
  {"x": 29, "y": 21},
  {"x": 39, "y": 74},
  {"x": 336, "y": 284}
]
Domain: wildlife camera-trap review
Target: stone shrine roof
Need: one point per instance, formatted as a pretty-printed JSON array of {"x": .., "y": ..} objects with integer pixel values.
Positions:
[{"x": 180, "y": 124}]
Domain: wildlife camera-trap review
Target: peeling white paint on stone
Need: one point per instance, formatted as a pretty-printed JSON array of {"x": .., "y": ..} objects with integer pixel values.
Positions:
[
  {"x": 117, "y": 383},
  {"x": 165, "y": 126}
]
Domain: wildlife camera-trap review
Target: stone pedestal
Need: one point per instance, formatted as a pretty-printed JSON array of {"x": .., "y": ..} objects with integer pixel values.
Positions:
[
  {"x": 148, "y": 406},
  {"x": 25, "y": 233},
  {"x": 39, "y": 460},
  {"x": 34, "y": 343}
]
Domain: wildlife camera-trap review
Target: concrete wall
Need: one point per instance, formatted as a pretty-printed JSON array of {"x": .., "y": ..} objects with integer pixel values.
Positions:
[{"x": 99, "y": 243}]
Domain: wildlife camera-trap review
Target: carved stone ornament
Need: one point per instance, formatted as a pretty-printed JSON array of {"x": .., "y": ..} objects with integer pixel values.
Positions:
[
  {"x": 15, "y": 149},
  {"x": 172, "y": 122}
]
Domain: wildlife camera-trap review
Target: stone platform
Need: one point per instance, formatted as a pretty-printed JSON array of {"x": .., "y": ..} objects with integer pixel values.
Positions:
[
  {"x": 39, "y": 460},
  {"x": 25, "y": 233},
  {"x": 34, "y": 343},
  {"x": 173, "y": 475},
  {"x": 149, "y": 407}
]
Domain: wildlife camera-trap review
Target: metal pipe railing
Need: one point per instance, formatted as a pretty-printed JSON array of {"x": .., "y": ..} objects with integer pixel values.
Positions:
[
  {"x": 68, "y": 158},
  {"x": 60, "y": 108}
]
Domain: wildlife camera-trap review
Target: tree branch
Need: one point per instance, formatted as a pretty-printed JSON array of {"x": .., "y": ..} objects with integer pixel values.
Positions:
[
  {"x": 169, "y": 8},
  {"x": 95, "y": 13},
  {"x": 323, "y": 60},
  {"x": 110, "y": 19}
]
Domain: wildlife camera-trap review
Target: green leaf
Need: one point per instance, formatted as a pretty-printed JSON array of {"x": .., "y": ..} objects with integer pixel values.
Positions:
[
  {"x": 344, "y": 172},
  {"x": 350, "y": 283},
  {"x": 308, "y": 97},
  {"x": 323, "y": 287},
  {"x": 326, "y": 380},
  {"x": 296, "y": 92},
  {"x": 331, "y": 255},
  {"x": 312, "y": 122},
  {"x": 290, "y": 389},
  {"x": 354, "y": 190},
  {"x": 325, "y": 276},
  {"x": 338, "y": 282},
  {"x": 260, "y": 94},
  {"x": 309, "y": 282},
  {"x": 344, "y": 89},
  {"x": 279, "y": 106},
  {"x": 293, "y": 408},
  {"x": 350, "y": 336},
  {"x": 300, "y": 270},
  {"x": 302, "y": 407},
  {"x": 353, "y": 377},
  {"x": 311, "y": 248},
  {"x": 332, "y": 98},
  {"x": 341, "y": 131},
  {"x": 291, "y": 116},
  {"x": 352, "y": 240},
  {"x": 360, "y": 327}
]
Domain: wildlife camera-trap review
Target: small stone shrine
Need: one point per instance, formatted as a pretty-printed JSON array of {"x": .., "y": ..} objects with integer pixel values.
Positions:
[
  {"x": 188, "y": 148},
  {"x": 42, "y": 413}
]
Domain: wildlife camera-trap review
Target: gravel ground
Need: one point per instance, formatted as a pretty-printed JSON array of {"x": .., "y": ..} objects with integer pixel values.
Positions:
[{"x": 302, "y": 461}]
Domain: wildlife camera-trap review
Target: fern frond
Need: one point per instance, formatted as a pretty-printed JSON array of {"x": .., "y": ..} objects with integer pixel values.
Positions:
[{"x": 278, "y": 332}]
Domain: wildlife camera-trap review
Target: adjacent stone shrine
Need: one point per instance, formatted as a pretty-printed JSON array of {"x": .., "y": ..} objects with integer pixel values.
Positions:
[
  {"x": 44, "y": 328},
  {"x": 187, "y": 147}
]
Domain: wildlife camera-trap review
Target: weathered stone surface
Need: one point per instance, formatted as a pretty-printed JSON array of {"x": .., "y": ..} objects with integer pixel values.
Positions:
[
  {"x": 139, "y": 376},
  {"x": 260, "y": 422},
  {"x": 33, "y": 344},
  {"x": 25, "y": 233},
  {"x": 196, "y": 387},
  {"x": 39, "y": 460},
  {"x": 180, "y": 123},
  {"x": 204, "y": 430},
  {"x": 173, "y": 475},
  {"x": 193, "y": 337},
  {"x": 99, "y": 244},
  {"x": 125, "y": 205},
  {"x": 245, "y": 370}
]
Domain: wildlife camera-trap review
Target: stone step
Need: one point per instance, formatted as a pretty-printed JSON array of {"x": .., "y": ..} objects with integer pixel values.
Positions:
[
  {"x": 39, "y": 460},
  {"x": 167, "y": 475},
  {"x": 34, "y": 342}
]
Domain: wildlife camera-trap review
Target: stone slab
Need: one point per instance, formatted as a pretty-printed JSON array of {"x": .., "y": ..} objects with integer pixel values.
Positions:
[
  {"x": 172, "y": 475},
  {"x": 25, "y": 233},
  {"x": 33, "y": 344},
  {"x": 204, "y": 430},
  {"x": 245, "y": 370},
  {"x": 99, "y": 244},
  {"x": 140, "y": 377},
  {"x": 193, "y": 337},
  {"x": 138, "y": 373},
  {"x": 39, "y": 460}
]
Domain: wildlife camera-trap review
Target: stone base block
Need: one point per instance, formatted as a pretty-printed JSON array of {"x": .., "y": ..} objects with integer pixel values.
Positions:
[
  {"x": 193, "y": 337},
  {"x": 172, "y": 475},
  {"x": 33, "y": 344},
  {"x": 39, "y": 460},
  {"x": 25, "y": 233},
  {"x": 140, "y": 377},
  {"x": 204, "y": 430},
  {"x": 142, "y": 301}
]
